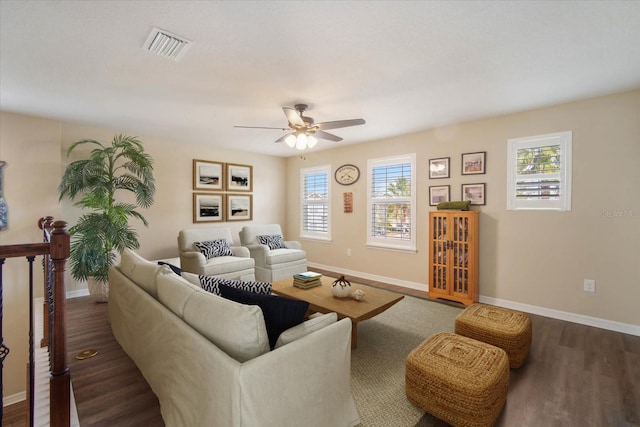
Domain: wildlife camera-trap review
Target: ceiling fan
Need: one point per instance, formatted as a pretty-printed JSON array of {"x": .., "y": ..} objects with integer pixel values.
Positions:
[{"x": 305, "y": 131}]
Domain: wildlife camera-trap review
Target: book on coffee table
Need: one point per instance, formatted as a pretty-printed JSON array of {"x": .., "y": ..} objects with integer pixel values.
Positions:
[
  {"x": 306, "y": 280},
  {"x": 307, "y": 275},
  {"x": 306, "y": 285}
]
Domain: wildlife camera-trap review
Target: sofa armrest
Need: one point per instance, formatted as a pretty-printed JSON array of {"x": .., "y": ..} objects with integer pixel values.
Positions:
[
  {"x": 292, "y": 244},
  {"x": 259, "y": 254},
  {"x": 192, "y": 261},
  {"x": 240, "y": 251},
  {"x": 314, "y": 372}
]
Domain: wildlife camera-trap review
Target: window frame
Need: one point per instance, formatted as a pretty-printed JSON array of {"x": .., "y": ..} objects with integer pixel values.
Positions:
[
  {"x": 563, "y": 202},
  {"x": 315, "y": 235},
  {"x": 386, "y": 242}
]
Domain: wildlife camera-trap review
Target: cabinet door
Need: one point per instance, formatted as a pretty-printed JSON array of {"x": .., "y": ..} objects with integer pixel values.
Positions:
[
  {"x": 439, "y": 255},
  {"x": 460, "y": 263}
]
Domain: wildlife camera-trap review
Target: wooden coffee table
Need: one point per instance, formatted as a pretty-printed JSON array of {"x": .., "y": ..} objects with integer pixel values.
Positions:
[{"x": 321, "y": 300}]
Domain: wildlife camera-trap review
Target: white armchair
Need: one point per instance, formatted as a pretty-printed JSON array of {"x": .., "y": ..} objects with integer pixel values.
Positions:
[
  {"x": 239, "y": 265},
  {"x": 273, "y": 264}
]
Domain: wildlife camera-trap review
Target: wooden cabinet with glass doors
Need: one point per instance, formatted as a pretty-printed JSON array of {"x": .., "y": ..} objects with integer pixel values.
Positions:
[{"x": 453, "y": 255}]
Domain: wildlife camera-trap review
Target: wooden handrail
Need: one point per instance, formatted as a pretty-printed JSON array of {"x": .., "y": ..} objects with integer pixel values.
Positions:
[{"x": 57, "y": 249}]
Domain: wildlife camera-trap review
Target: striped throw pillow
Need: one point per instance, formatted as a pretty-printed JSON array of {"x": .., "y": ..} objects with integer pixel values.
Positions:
[
  {"x": 274, "y": 241},
  {"x": 214, "y": 248},
  {"x": 212, "y": 284}
]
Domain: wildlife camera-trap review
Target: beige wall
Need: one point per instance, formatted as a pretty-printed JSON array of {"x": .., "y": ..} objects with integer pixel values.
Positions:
[
  {"x": 31, "y": 147},
  {"x": 36, "y": 152},
  {"x": 599, "y": 239},
  {"x": 173, "y": 171},
  {"x": 535, "y": 258}
]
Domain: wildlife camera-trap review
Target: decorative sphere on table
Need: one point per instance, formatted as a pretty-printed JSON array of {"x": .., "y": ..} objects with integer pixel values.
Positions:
[{"x": 341, "y": 288}]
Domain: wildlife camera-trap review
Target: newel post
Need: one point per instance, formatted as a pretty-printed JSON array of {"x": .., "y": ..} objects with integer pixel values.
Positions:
[
  {"x": 46, "y": 225},
  {"x": 60, "y": 376}
]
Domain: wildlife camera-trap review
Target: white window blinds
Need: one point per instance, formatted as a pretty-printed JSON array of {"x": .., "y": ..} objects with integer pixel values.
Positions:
[
  {"x": 315, "y": 199},
  {"x": 539, "y": 172},
  {"x": 391, "y": 202}
]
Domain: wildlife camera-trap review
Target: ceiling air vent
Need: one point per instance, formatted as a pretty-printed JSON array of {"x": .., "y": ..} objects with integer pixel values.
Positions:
[{"x": 164, "y": 43}]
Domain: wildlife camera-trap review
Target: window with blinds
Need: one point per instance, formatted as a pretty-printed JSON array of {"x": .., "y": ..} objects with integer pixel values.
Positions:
[
  {"x": 391, "y": 202},
  {"x": 315, "y": 200},
  {"x": 539, "y": 172}
]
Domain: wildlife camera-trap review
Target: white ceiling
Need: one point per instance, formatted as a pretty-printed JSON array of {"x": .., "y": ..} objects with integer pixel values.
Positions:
[{"x": 402, "y": 66}]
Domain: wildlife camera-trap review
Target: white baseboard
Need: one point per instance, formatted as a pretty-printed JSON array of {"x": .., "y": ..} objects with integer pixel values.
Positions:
[
  {"x": 597, "y": 322},
  {"x": 610, "y": 325},
  {"x": 368, "y": 276},
  {"x": 71, "y": 294},
  {"x": 14, "y": 398},
  {"x": 78, "y": 293}
]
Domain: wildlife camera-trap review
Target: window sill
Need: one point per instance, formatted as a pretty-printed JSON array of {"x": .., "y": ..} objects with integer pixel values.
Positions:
[
  {"x": 412, "y": 250},
  {"x": 316, "y": 239}
]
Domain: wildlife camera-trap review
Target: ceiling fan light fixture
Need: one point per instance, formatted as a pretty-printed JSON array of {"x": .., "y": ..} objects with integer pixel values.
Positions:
[
  {"x": 304, "y": 132},
  {"x": 311, "y": 141},
  {"x": 301, "y": 142},
  {"x": 290, "y": 140}
]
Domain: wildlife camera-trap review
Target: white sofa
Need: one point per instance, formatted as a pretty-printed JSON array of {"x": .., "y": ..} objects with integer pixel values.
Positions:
[
  {"x": 239, "y": 266},
  {"x": 175, "y": 332},
  {"x": 273, "y": 264}
]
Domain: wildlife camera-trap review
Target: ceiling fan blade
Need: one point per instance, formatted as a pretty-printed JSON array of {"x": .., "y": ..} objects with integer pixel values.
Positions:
[
  {"x": 258, "y": 127},
  {"x": 282, "y": 138},
  {"x": 326, "y": 135},
  {"x": 293, "y": 116},
  {"x": 339, "y": 124}
]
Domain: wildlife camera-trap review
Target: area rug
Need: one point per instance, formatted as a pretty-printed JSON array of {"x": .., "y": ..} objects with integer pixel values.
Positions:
[{"x": 378, "y": 363}]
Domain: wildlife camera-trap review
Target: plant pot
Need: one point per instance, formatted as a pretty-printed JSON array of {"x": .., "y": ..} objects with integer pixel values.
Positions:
[{"x": 99, "y": 291}]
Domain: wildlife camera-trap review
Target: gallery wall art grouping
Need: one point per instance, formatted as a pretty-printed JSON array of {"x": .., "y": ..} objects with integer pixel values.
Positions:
[
  {"x": 472, "y": 164},
  {"x": 222, "y": 191}
]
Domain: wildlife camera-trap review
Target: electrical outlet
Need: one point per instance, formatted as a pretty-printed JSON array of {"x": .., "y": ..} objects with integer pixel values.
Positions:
[
  {"x": 348, "y": 252},
  {"x": 589, "y": 285}
]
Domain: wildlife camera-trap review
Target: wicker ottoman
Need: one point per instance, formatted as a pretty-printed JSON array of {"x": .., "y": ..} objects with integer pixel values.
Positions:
[
  {"x": 457, "y": 379},
  {"x": 508, "y": 329}
]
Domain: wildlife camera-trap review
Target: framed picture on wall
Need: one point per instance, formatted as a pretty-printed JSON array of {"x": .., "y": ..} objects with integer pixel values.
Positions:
[
  {"x": 474, "y": 163},
  {"x": 475, "y": 192},
  {"x": 239, "y": 207},
  {"x": 439, "y": 168},
  {"x": 208, "y": 207},
  {"x": 239, "y": 177},
  {"x": 439, "y": 194},
  {"x": 208, "y": 175}
]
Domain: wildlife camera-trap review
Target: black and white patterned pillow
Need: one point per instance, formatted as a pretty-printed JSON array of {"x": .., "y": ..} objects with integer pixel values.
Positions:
[
  {"x": 274, "y": 241},
  {"x": 211, "y": 284},
  {"x": 214, "y": 248}
]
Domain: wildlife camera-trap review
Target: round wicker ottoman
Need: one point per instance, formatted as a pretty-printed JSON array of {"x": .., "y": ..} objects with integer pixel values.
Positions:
[
  {"x": 457, "y": 379},
  {"x": 508, "y": 329}
]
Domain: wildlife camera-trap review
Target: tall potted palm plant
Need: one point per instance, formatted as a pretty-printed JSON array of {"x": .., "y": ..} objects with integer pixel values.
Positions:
[{"x": 95, "y": 183}]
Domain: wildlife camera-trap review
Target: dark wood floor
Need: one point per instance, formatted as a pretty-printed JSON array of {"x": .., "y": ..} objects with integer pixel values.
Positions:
[
  {"x": 575, "y": 376},
  {"x": 109, "y": 389}
]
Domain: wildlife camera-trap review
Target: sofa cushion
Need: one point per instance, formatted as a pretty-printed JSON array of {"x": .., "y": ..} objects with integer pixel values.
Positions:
[
  {"x": 273, "y": 241},
  {"x": 280, "y": 313},
  {"x": 280, "y": 256},
  {"x": 174, "y": 291},
  {"x": 212, "y": 284},
  {"x": 214, "y": 248},
  {"x": 237, "y": 329},
  {"x": 228, "y": 264},
  {"x": 191, "y": 278},
  {"x": 305, "y": 328},
  {"x": 141, "y": 271}
]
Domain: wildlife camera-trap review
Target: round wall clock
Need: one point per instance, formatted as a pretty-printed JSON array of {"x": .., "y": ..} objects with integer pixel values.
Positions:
[{"x": 347, "y": 174}]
